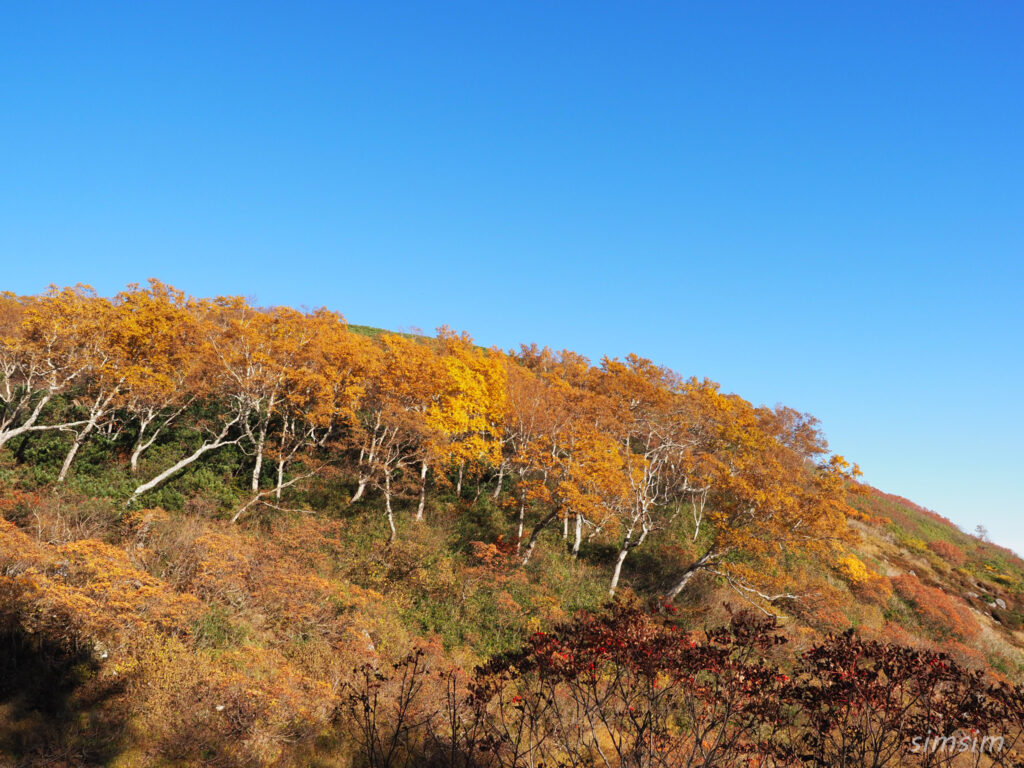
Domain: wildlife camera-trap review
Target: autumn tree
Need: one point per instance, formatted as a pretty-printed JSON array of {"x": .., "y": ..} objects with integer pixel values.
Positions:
[
  {"x": 393, "y": 425},
  {"x": 547, "y": 439},
  {"x": 44, "y": 343},
  {"x": 263, "y": 359},
  {"x": 228, "y": 366},
  {"x": 536, "y": 409},
  {"x": 318, "y": 397},
  {"x": 156, "y": 334},
  {"x": 647, "y": 421},
  {"x": 468, "y": 414},
  {"x": 323, "y": 388},
  {"x": 772, "y": 492}
]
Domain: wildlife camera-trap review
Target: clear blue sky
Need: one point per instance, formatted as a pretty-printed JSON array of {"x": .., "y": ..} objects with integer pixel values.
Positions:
[{"x": 819, "y": 204}]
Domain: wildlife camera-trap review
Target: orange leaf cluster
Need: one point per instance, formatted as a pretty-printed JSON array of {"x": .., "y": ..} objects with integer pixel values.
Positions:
[{"x": 942, "y": 615}]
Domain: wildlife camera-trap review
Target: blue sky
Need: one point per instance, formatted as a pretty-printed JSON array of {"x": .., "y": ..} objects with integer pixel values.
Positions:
[{"x": 818, "y": 204}]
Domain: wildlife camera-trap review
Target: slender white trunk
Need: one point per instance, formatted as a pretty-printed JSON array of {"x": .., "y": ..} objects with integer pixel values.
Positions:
[
  {"x": 423, "y": 491},
  {"x": 535, "y": 534},
  {"x": 681, "y": 584},
  {"x": 522, "y": 519},
  {"x": 387, "y": 506},
  {"x": 688, "y": 575},
  {"x": 529, "y": 550},
  {"x": 280, "y": 479},
  {"x": 70, "y": 457},
  {"x": 579, "y": 536},
  {"x": 617, "y": 572},
  {"x": 360, "y": 490},
  {"x": 364, "y": 478},
  {"x": 627, "y": 545},
  {"x": 140, "y": 446},
  {"x": 458, "y": 486},
  {"x": 99, "y": 407},
  {"x": 258, "y": 467},
  {"x": 565, "y": 528},
  {"x": 10, "y": 434},
  {"x": 501, "y": 477},
  {"x": 205, "y": 448}
]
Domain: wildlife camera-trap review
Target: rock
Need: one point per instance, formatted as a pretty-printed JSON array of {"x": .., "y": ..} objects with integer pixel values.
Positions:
[
  {"x": 1001, "y": 603},
  {"x": 972, "y": 595}
]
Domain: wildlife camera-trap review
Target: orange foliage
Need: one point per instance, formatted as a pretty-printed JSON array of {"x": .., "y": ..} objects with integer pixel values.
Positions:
[
  {"x": 942, "y": 615},
  {"x": 868, "y": 585},
  {"x": 948, "y": 551},
  {"x": 87, "y": 590},
  {"x": 877, "y": 589},
  {"x": 276, "y": 577}
]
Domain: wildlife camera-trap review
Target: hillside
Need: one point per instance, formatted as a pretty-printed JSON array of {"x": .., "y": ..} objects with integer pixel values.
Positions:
[{"x": 236, "y": 536}]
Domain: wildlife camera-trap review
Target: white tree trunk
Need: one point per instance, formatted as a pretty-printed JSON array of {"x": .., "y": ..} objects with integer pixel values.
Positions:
[
  {"x": 143, "y": 445},
  {"x": 360, "y": 490},
  {"x": 205, "y": 448},
  {"x": 522, "y": 519},
  {"x": 627, "y": 545},
  {"x": 364, "y": 478},
  {"x": 423, "y": 491},
  {"x": 29, "y": 425},
  {"x": 501, "y": 478},
  {"x": 9, "y": 434},
  {"x": 535, "y": 534},
  {"x": 99, "y": 407},
  {"x": 579, "y": 536},
  {"x": 387, "y": 505},
  {"x": 697, "y": 566},
  {"x": 280, "y": 479},
  {"x": 70, "y": 457},
  {"x": 617, "y": 572},
  {"x": 140, "y": 446},
  {"x": 258, "y": 467}
]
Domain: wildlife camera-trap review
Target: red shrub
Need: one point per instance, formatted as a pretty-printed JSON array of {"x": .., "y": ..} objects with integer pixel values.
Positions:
[
  {"x": 942, "y": 615},
  {"x": 948, "y": 551}
]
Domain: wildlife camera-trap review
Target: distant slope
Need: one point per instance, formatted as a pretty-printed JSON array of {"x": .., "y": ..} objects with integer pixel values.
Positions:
[{"x": 947, "y": 584}]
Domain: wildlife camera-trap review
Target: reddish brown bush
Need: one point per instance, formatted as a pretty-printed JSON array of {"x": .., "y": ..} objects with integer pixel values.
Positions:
[
  {"x": 943, "y": 616},
  {"x": 948, "y": 551},
  {"x": 628, "y": 688}
]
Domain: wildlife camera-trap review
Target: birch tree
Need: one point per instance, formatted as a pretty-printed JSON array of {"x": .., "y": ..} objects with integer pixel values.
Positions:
[
  {"x": 157, "y": 334},
  {"x": 223, "y": 381},
  {"x": 42, "y": 356},
  {"x": 468, "y": 414},
  {"x": 393, "y": 427},
  {"x": 772, "y": 491},
  {"x": 103, "y": 379}
]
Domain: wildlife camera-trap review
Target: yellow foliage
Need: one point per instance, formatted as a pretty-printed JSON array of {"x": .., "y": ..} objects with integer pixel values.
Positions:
[{"x": 853, "y": 570}]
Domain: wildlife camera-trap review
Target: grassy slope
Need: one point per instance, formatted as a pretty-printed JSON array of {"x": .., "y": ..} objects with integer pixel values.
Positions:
[{"x": 902, "y": 539}]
